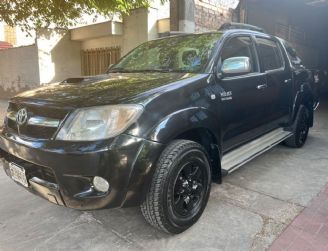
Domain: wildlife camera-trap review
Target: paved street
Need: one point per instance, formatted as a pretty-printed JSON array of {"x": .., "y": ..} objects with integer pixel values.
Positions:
[{"x": 247, "y": 212}]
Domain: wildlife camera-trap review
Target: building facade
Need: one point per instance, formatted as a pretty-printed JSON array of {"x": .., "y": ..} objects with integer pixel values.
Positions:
[
  {"x": 90, "y": 47},
  {"x": 53, "y": 55}
]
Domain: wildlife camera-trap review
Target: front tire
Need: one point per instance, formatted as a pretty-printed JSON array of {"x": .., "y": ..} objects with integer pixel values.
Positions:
[
  {"x": 180, "y": 187},
  {"x": 301, "y": 130}
]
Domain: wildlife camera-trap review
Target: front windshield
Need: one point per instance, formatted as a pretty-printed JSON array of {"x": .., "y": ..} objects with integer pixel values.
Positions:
[{"x": 188, "y": 53}]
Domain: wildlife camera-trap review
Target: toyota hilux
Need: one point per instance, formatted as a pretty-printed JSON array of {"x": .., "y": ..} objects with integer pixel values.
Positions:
[{"x": 171, "y": 117}]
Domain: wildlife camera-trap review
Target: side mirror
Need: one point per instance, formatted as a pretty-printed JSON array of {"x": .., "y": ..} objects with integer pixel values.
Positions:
[{"x": 236, "y": 66}]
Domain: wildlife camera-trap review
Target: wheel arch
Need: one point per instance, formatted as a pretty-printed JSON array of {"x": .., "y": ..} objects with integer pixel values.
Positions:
[
  {"x": 196, "y": 124},
  {"x": 304, "y": 97},
  {"x": 206, "y": 139}
]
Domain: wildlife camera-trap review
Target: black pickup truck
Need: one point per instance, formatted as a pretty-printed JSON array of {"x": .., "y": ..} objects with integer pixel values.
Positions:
[{"x": 169, "y": 118}]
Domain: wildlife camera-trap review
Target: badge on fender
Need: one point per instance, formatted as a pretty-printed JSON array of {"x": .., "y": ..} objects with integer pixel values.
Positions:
[{"x": 226, "y": 96}]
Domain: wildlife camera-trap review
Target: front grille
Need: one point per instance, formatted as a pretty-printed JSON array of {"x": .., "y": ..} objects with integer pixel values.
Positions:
[
  {"x": 35, "y": 131},
  {"x": 30, "y": 131},
  {"x": 33, "y": 170}
]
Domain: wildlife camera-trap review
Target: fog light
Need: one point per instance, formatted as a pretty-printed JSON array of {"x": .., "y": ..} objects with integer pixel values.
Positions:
[{"x": 100, "y": 184}]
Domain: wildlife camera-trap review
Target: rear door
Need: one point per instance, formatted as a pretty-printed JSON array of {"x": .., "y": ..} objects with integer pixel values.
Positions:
[{"x": 278, "y": 79}]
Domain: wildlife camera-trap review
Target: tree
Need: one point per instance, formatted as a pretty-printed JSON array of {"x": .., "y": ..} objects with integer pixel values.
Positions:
[{"x": 35, "y": 14}]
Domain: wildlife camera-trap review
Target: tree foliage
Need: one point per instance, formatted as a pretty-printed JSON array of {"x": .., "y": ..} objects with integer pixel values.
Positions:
[{"x": 34, "y": 14}]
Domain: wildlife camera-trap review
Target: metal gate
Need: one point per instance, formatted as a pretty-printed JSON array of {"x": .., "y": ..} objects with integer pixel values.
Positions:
[{"x": 96, "y": 61}]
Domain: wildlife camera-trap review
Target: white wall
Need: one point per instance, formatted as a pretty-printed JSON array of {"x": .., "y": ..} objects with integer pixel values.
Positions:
[
  {"x": 103, "y": 42},
  {"x": 97, "y": 30},
  {"x": 163, "y": 9},
  {"x": 54, "y": 58},
  {"x": 91, "y": 19},
  {"x": 152, "y": 23},
  {"x": 140, "y": 26},
  {"x": 2, "y": 32},
  {"x": 135, "y": 29},
  {"x": 59, "y": 57},
  {"x": 24, "y": 38},
  {"x": 19, "y": 69}
]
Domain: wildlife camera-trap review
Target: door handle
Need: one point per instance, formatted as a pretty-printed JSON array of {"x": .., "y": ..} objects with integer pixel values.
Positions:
[
  {"x": 260, "y": 87},
  {"x": 287, "y": 81}
]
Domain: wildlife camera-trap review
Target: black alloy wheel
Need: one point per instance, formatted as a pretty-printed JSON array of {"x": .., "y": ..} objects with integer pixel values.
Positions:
[
  {"x": 303, "y": 129},
  {"x": 189, "y": 188},
  {"x": 180, "y": 187},
  {"x": 301, "y": 132}
]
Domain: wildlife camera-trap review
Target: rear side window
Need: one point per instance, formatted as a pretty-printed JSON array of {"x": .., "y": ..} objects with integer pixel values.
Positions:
[{"x": 270, "y": 54}]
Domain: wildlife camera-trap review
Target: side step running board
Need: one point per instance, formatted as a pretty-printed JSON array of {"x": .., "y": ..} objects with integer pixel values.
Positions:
[{"x": 240, "y": 156}]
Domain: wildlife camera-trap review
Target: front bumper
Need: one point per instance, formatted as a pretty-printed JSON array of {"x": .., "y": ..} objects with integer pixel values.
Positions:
[{"x": 62, "y": 172}]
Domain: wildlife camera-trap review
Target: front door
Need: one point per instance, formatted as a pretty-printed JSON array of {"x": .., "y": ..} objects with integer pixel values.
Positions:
[{"x": 244, "y": 97}]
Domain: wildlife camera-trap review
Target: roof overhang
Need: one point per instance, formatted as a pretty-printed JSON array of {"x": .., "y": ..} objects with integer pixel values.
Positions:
[{"x": 97, "y": 30}]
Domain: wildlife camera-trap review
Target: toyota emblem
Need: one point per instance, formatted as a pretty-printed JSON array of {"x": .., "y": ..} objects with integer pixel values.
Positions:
[{"x": 21, "y": 117}]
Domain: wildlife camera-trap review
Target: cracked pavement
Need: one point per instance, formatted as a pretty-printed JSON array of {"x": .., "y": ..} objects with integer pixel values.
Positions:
[{"x": 247, "y": 212}]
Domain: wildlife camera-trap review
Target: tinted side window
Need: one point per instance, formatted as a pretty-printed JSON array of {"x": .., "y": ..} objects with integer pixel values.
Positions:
[
  {"x": 270, "y": 54},
  {"x": 239, "y": 47}
]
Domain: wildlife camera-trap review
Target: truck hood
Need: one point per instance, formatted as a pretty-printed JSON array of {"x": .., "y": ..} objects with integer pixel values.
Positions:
[{"x": 111, "y": 88}]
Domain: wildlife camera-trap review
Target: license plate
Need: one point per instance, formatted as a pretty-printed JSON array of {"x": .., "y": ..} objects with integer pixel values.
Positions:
[{"x": 18, "y": 174}]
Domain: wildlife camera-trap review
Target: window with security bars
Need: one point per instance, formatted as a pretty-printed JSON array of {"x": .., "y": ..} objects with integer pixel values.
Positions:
[
  {"x": 10, "y": 34},
  {"x": 97, "y": 61}
]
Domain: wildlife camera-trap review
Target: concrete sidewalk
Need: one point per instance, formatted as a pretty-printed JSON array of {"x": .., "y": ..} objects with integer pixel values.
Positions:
[{"x": 248, "y": 211}]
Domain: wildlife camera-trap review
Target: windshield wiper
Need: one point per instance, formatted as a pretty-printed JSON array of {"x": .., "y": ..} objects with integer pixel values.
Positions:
[
  {"x": 118, "y": 70},
  {"x": 153, "y": 70},
  {"x": 161, "y": 70},
  {"x": 123, "y": 70}
]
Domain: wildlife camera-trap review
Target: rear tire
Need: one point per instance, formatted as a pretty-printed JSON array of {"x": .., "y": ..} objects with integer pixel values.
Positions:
[
  {"x": 301, "y": 131},
  {"x": 180, "y": 187}
]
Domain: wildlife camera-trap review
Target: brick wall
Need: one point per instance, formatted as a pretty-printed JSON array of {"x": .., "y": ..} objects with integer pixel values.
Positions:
[{"x": 211, "y": 14}]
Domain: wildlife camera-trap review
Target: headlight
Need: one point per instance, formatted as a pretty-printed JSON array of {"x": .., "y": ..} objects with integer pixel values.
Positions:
[{"x": 100, "y": 122}]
